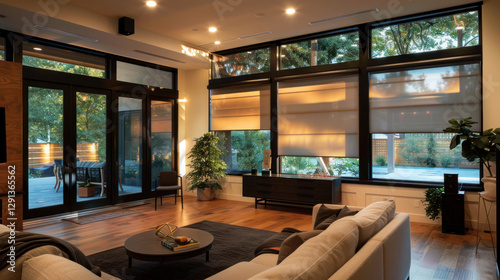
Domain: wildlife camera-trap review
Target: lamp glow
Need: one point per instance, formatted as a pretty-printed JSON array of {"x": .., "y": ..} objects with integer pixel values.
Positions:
[
  {"x": 290, "y": 11},
  {"x": 151, "y": 3}
]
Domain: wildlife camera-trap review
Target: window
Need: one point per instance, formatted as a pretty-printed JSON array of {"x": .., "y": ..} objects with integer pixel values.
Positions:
[
  {"x": 453, "y": 31},
  {"x": 127, "y": 72},
  {"x": 329, "y": 50},
  {"x": 244, "y": 150},
  {"x": 243, "y": 63},
  {"x": 55, "y": 59},
  {"x": 242, "y": 115},
  {"x": 318, "y": 124},
  {"x": 321, "y": 166},
  {"x": 408, "y": 112}
]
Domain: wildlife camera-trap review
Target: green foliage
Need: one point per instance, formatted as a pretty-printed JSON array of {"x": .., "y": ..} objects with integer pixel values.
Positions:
[
  {"x": 85, "y": 184},
  {"x": 445, "y": 160},
  {"x": 91, "y": 121},
  {"x": 297, "y": 165},
  {"x": 430, "y": 159},
  {"x": 207, "y": 168},
  {"x": 381, "y": 161},
  {"x": 411, "y": 150},
  {"x": 345, "y": 165},
  {"x": 244, "y": 63},
  {"x": 474, "y": 145},
  {"x": 432, "y": 202},
  {"x": 250, "y": 146},
  {"x": 45, "y": 115},
  {"x": 62, "y": 67}
]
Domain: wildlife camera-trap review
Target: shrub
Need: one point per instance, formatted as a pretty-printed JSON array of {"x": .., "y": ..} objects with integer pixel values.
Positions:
[{"x": 381, "y": 161}]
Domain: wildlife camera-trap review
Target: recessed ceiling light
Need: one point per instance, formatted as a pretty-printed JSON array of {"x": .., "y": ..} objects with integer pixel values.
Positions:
[
  {"x": 212, "y": 29},
  {"x": 37, "y": 49},
  {"x": 217, "y": 42},
  {"x": 151, "y": 3},
  {"x": 290, "y": 11}
]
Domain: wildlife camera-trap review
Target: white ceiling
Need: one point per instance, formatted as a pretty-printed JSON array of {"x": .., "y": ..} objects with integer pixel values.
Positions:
[{"x": 162, "y": 30}]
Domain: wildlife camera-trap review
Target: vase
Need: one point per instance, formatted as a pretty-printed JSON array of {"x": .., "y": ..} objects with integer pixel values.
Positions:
[{"x": 206, "y": 194}]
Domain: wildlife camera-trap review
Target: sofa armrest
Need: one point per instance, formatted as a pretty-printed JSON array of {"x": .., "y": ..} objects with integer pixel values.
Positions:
[
  {"x": 367, "y": 263},
  {"x": 51, "y": 267}
]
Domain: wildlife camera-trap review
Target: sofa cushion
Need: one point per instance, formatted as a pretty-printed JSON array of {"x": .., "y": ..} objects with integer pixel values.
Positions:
[
  {"x": 53, "y": 267},
  {"x": 239, "y": 271},
  {"x": 372, "y": 219},
  {"x": 319, "y": 257},
  {"x": 293, "y": 242}
]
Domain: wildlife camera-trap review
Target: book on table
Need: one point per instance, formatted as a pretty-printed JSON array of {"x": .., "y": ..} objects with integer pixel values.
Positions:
[{"x": 172, "y": 245}]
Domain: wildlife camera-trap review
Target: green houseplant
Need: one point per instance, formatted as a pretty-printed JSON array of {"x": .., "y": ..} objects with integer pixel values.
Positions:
[
  {"x": 86, "y": 189},
  {"x": 432, "y": 202},
  {"x": 474, "y": 145},
  {"x": 207, "y": 167}
]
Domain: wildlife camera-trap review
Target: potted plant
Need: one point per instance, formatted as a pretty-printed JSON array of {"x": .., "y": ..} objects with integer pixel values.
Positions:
[
  {"x": 432, "y": 202},
  {"x": 86, "y": 189},
  {"x": 475, "y": 145},
  {"x": 207, "y": 167}
]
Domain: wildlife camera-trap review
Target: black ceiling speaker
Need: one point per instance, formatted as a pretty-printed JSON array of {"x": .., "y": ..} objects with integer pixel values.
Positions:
[
  {"x": 3, "y": 137},
  {"x": 126, "y": 26}
]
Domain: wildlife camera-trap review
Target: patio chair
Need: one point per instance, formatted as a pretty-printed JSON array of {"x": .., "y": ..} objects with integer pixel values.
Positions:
[
  {"x": 58, "y": 173},
  {"x": 168, "y": 184},
  {"x": 96, "y": 175}
]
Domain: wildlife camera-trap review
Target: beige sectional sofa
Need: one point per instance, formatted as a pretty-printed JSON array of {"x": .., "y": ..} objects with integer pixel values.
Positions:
[
  {"x": 47, "y": 262},
  {"x": 373, "y": 244}
]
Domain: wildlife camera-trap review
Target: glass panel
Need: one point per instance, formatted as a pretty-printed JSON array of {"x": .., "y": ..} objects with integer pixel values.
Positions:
[
  {"x": 127, "y": 72},
  {"x": 161, "y": 138},
  {"x": 319, "y": 117},
  {"x": 244, "y": 63},
  {"x": 454, "y": 31},
  {"x": 420, "y": 157},
  {"x": 45, "y": 147},
  {"x": 2, "y": 48},
  {"x": 91, "y": 146},
  {"x": 330, "y": 50},
  {"x": 244, "y": 150},
  {"x": 320, "y": 166},
  {"x": 129, "y": 145},
  {"x": 61, "y": 60},
  {"x": 242, "y": 108},
  {"x": 423, "y": 100}
]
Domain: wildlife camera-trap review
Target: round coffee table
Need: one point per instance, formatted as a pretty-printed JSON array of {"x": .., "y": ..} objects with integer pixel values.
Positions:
[{"x": 146, "y": 246}]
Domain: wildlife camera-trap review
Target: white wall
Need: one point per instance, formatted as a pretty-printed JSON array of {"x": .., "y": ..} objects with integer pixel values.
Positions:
[{"x": 408, "y": 200}]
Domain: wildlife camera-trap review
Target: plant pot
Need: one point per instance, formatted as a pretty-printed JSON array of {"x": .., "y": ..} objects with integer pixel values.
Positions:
[
  {"x": 490, "y": 185},
  {"x": 206, "y": 194},
  {"x": 86, "y": 191}
]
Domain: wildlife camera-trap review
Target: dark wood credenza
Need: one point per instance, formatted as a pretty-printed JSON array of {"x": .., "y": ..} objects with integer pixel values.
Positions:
[{"x": 297, "y": 189}]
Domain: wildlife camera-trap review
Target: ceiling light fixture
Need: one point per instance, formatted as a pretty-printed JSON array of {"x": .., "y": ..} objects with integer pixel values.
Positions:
[
  {"x": 65, "y": 33},
  {"x": 217, "y": 42},
  {"x": 212, "y": 29},
  {"x": 343, "y": 16},
  {"x": 151, "y": 4},
  {"x": 37, "y": 49},
  {"x": 290, "y": 11}
]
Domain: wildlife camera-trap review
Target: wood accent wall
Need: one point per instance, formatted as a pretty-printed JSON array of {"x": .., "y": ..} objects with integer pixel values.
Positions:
[{"x": 11, "y": 97}]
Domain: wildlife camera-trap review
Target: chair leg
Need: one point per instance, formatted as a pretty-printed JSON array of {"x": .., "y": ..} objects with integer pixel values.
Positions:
[
  {"x": 182, "y": 199},
  {"x": 478, "y": 210},
  {"x": 156, "y": 201},
  {"x": 489, "y": 227},
  {"x": 175, "y": 199}
]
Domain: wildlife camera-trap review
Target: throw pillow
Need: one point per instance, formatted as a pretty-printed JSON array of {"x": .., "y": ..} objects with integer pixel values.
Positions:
[
  {"x": 269, "y": 245},
  {"x": 344, "y": 212},
  {"x": 293, "y": 242},
  {"x": 325, "y": 213}
]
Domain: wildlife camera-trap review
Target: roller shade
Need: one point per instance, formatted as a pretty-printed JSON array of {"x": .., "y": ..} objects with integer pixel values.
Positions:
[
  {"x": 319, "y": 117},
  {"x": 423, "y": 100},
  {"x": 242, "y": 108}
]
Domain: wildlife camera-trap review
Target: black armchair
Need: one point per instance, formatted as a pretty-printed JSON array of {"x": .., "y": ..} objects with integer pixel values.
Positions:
[{"x": 167, "y": 184}]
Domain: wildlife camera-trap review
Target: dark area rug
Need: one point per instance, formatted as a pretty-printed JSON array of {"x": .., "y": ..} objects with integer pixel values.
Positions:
[{"x": 232, "y": 244}]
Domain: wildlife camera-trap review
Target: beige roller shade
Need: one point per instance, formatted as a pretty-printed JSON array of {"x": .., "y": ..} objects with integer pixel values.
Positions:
[
  {"x": 241, "y": 108},
  {"x": 423, "y": 100},
  {"x": 319, "y": 117}
]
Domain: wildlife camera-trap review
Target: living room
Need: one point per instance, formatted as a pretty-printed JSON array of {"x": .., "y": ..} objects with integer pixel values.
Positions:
[{"x": 191, "y": 115}]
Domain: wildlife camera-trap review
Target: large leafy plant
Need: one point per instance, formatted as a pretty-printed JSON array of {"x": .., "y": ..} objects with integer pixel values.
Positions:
[
  {"x": 474, "y": 145},
  {"x": 207, "y": 167},
  {"x": 432, "y": 202}
]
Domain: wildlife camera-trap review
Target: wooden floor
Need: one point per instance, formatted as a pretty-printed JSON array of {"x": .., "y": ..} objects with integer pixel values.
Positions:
[{"x": 434, "y": 255}]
